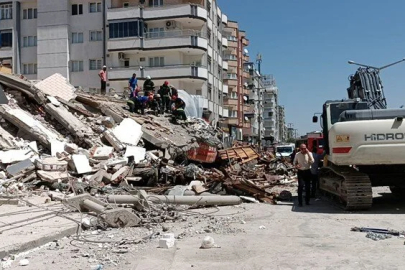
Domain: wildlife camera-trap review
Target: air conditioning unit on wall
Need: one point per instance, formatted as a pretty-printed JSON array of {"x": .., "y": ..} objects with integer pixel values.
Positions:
[
  {"x": 170, "y": 24},
  {"x": 121, "y": 56}
]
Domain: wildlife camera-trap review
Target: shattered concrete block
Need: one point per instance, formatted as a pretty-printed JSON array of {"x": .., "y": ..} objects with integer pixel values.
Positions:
[
  {"x": 51, "y": 164},
  {"x": 57, "y": 147},
  {"x": 12, "y": 156},
  {"x": 98, "y": 152},
  {"x": 137, "y": 152},
  {"x": 81, "y": 163},
  {"x": 116, "y": 161},
  {"x": 128, "y": 132},
  {"x": 108, "y": 122},
  {"x": 71, "y": 148},
  {"x": 167, "y": 240},
  {"x": 20, "y": 167},
  {"x": 113, "y": 140},
  {"x": 54, "y": 101},
  {"x": 119, "y": 175},
  {"x": 52, "y": 177}
]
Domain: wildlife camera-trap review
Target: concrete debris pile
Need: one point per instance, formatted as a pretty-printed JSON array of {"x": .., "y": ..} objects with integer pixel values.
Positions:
[{"x": 91, "y": 152}]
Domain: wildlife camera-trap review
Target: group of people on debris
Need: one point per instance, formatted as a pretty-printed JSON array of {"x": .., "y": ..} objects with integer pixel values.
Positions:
[{"x": 165, "y": 100}]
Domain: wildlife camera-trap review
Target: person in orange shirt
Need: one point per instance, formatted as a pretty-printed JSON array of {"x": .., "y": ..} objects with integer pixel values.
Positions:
[{"x": 103, "y": 78}]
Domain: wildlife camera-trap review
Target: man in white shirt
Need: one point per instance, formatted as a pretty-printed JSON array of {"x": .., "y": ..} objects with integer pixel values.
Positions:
[{"x": 303, "y": 161}]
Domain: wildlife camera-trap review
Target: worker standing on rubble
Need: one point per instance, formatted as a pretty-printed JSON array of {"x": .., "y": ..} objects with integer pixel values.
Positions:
[
  {"x": 148, "y": 86},
  {"x": 132, "y": 84},
  {"x": 103, "y": 78},
  {"x": 178, "y": 109},
  {"x": 165, "y": 94},
  {"x": 303, "y": 161}
]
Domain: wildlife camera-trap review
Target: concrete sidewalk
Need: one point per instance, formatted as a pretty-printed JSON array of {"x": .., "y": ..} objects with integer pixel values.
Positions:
[{"x": 25, "y": 227}]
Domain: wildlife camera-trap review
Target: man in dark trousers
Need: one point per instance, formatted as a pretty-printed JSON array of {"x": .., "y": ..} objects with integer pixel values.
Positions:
[
  {"x": 148, "y": 86},
  {"x": 164, "y": 92},
  {"x": 303, "y": 161}
]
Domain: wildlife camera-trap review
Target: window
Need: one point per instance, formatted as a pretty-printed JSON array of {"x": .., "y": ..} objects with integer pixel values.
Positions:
[
  {"x": 29, "y": 68},
  {"x": 155, "y": 3},
  {"x": 77, "y": 9},
  {"x": 209, "y": 9},
  {"x": 95, "y": 64},
  {"x": 96, "y": 36},
  {"x": 232, "y": 76},
  {"x": 77, "y": 37},
  {"x": 125, "y": 4},
  {"x": 126, "y": 29},
  {"x": 30, "y": 41},
  {"x": 94, "y": 7},
  {"x": 6, "y": 12},
  {"x": 232, "y": 38},
  {"x": 77, "y": 66},
  {"x": 209, "y": 62},
  {"x": 6, "y": 39},
  {"x": 156, "y": 61},
  {"x": 29, "y": 13},
  {"x": 156, "y": 32}
]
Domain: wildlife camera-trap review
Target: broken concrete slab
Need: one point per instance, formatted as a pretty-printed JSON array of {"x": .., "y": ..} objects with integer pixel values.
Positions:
[
  {"x": 52, "y": 176},
  {"x": 81, "y": 163},
  {"x": 128, "y": 132},
  {"x": 20, "y": 167},
  {"x": 68, "y": 120},
  {"x": 22, "y": 85},
  {"x": 58, "y": 86},
  {"x": 12, "y": 156},
  {"x": 26, "y": 122},
  {"x": 102, "y": 153},
  {"x": 57, "y": 147},
  {"x": 113, "y": 140},
  {"x": 137, "y": 152},
  {"x": 51, "y": 164}
]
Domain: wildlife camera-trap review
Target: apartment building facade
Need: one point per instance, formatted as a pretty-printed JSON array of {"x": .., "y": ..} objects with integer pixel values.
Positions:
[
  {"x": 236, "y": 92},
  {"x": 281, "y": 124},
  {"x": 270, "y": 111},
  {"x": 179, "y": 41}
]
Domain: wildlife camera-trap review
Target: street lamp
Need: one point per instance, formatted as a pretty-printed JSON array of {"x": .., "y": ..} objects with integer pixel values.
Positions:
[{"x": 376, "y": 68}]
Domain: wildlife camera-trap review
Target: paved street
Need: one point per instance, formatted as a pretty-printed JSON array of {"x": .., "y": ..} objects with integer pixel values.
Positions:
[{"x": 312, "y": 237}]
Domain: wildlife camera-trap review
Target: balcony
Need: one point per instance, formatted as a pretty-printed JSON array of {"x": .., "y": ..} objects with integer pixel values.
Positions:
[
  {"x": 248, "y": 109},
  {"x": 233, "y": 121},
  {"x": 232, "y": 83},
  {"x": 225, "y": 65},
  {"x": 231, "y": 103},
  {"x": 225, "y": 89},
  {"x": 224, "y": 19},
  {"x": 232, "y": 44},
  {"x": 246, "y": 74},
  {"x": 232, "y": 63},
  {"x": 6, "y": 52},
  {"x": 245, "y": 42},
  {"x": 247, "y": 131},
  {"x": 162, "y": 12},
  {"x": 224, "y": 42},
  {"x": 168, "y": 39},
  {"x": 163, "y": 72}
]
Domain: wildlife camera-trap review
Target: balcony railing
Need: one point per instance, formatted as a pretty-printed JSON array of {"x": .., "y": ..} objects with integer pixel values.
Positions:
[
  {"x": 176, "y": 33},
  {"x": 167, "y": 10},
  {"x": 165, "y": 71},
  {"x": 176, "y": 38}
]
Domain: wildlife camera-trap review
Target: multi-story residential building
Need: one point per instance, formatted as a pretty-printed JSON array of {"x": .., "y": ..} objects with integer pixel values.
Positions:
[
  {"x": 282, "y": 128},
  {"x": 235, "y": 91},
  {"x": 39, "y": 38},
  {"x": 270, "y": 113},
  {"x": 179, "y": 41}
]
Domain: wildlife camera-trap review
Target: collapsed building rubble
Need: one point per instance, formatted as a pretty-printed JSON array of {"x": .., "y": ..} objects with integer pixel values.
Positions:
[{"x": 77, "y": 145}]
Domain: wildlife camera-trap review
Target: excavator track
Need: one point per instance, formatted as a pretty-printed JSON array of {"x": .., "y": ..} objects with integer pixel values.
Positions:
[{"x": 351, "y": 187}]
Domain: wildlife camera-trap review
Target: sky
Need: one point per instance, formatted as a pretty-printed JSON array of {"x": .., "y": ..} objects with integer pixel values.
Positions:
[{"x": 306, "y": 46}]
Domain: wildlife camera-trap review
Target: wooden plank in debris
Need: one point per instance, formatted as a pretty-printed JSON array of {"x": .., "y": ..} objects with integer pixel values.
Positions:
[{"x": 242, "y": 153}]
